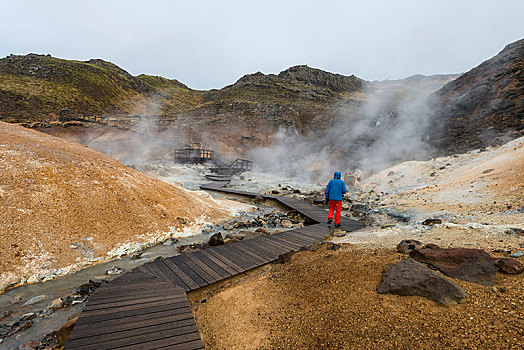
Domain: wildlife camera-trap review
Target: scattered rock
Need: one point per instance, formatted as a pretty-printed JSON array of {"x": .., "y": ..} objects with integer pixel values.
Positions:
[
  {"x": 34, "y": 300},
  {"x": 409, "y": 277},
  {"x": 186, "y": 248},
  {"x": 517, "y": 255},
  {"x": 56, "y": 304},
  {"x": 515, "y": 231},
  {"x": 472, "y": 265},
  {"x": 431, "y": 222},
  {"x": 86, "y": 288},
  {"x": 284, "y": 258},
  {"x": 296, "y": 191},
  {"x": 286, "y": 223},
  {"x": 262, "y": 230},
  {"x": 338, "y": 232},
  {"x": 407, "y": 245},
  {"x": 115, "y": 270},
  {"x": 359, "y": 208},
  {"x": 275, "y": 192},
  {"x": 136, "y": 254},
  {"x": 258, "y": 199},
  {"x": 170, "y": 241},
  {"x": 63, "y": 333},
  {"x": 215, "y": 240},
  {"x": 318, "y": 200},
  {"x": 509, "y": 266},
  {"x": 487, "y": 171},
  {"x": 5, "y": 313}
]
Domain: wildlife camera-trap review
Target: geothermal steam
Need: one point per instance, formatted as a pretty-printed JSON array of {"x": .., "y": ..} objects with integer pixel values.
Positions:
[{"x": 386, "y": 129}]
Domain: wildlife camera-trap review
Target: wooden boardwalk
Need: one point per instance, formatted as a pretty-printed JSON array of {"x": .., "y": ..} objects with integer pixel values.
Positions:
[{"x": 147, "y": 308}]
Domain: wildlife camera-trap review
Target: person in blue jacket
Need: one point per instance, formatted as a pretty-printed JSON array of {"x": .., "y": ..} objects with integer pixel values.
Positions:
[{"x": 335, "y": 190}]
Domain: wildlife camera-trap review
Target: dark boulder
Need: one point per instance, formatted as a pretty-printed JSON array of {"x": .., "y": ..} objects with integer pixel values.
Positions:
[
  {"x": 407, "y": 245},
  {"x": 215, "y": 240},
  {"x": 63, "y": 333},
  {"x": 509, "y": 266},
  {"x": 431, "y": 222},
  {"x": 472, "y": 265},
  {"x": 409, "y": 277}
]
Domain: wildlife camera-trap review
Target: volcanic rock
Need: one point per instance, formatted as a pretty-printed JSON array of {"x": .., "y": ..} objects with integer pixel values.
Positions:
[
  {"x": 472, "y": 265},
  {"x": 407, "y": 245},
  {"x": 409, "y": 277},
  {"x": 215, "y": 240},
  {"x": 286, "y": 223},
  {"x": 509, "y": 266},
  {"x": 431, "y": 222}
]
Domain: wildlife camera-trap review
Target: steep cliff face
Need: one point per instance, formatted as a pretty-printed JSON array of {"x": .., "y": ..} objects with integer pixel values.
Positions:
[{"x": 482, "y": 107}]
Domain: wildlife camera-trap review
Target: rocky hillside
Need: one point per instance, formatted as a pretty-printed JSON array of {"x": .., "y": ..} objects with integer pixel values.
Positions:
[
  {"x": 37, "y": 87},
  {"x": 482, "y": 107},
  {"x": 63, "y": 205}
]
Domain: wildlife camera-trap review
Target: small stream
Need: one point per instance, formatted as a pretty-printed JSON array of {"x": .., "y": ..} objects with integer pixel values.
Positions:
[{"x": 43, "y": 293}]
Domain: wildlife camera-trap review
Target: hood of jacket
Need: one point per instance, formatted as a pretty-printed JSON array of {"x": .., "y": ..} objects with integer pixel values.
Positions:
[{"x": 337, "y": 175}]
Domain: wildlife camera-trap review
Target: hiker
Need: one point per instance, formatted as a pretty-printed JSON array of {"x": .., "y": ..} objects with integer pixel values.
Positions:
[{"x": 335, "y": 190}]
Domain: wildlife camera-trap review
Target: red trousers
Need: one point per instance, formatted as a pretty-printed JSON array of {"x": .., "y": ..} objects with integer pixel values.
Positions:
[{"x": 337, "y": 206}]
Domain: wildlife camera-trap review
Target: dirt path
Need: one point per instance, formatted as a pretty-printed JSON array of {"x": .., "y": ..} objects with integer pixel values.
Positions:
[{"x": 328, "y": 300}]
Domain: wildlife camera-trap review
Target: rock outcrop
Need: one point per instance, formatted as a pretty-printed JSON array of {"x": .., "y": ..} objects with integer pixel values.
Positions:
[
  {"x": 482, "y": 107},
  {"x": 472, "y": 265},
  {"x": 409, "y": 277}
]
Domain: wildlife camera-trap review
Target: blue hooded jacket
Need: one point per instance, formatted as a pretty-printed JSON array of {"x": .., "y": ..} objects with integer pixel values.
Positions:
[{"x": 335, "y": 188}]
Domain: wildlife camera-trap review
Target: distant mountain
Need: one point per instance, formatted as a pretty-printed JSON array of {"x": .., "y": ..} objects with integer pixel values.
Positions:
[{"x": 482, "y": 107}]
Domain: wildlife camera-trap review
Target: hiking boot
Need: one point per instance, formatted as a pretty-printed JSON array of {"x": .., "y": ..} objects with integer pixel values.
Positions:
[
  {"x": 337, "y": 225},
  {"x": 329, "y": 221}
]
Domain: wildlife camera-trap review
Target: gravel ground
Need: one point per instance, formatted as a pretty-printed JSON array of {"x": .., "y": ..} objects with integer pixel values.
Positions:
[{"x": 328, "y": 300}]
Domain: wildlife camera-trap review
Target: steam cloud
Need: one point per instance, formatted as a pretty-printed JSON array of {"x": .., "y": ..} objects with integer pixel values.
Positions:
[{"x": 386, "y": 129}]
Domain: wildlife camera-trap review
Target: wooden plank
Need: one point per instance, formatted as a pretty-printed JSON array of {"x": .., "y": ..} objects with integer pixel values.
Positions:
[
  {"x": 189, "y": 271},
  {"x": 238, "y": 257},
  {"x": 208, "y": 269},
  {"x": 293, "y": 245},
  {"x": 260, "y": 258},
  {"x": 124, "y": 316},
  {"x": 286, "y": 245},
  {"x": 218, "y": 266},
  {"x": 91, "y": 329},
  {"x": 178, "y": 308},
  {"x": 172, "y": 342},
  {"x": 181, "y": 274},
  {"x": 198, "y": 270},
  {"x": 122, "y": 303},
  {"x": 142, "y": 268},
  {"x": 279, "y": 248},
  {"x": 228, "y": 263},
  {"x": 270, "y": 251},
  {"x": 139, "y": 305},
  {"x": 177, "y": 279},
  {"x": 137, "y": 341},
  {"x": 258, "y": 249},
  {"x": 176, "y": 327},
  {"x": 104, "y": 295},
  {"x": 297, "y": 237},
  {"x": 300, "y": 235}
]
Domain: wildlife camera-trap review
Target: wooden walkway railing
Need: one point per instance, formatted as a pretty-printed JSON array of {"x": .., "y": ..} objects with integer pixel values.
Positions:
[{"x": 147, "y": 308}]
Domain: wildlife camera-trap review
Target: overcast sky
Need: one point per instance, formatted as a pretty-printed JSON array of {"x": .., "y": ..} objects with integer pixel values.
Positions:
[{"x": 210, "y": 44}]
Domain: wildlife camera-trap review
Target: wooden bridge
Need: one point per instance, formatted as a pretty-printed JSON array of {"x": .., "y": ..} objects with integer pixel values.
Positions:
[{"x": 147, "y": 308}]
